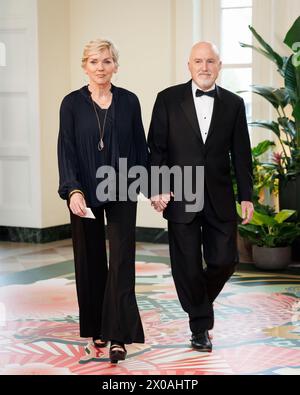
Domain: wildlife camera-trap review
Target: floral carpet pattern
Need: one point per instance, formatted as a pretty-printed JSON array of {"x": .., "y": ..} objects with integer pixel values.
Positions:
[{"x": 257, "y": 325}]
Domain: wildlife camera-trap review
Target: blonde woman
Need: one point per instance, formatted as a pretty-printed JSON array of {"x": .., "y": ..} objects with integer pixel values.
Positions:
[{"x": 99, "y": 124}]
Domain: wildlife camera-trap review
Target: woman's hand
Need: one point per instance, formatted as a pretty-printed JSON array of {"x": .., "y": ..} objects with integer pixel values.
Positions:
[
  {"x": 160, "y": 202},
  {"x": 77, "y": 204}
]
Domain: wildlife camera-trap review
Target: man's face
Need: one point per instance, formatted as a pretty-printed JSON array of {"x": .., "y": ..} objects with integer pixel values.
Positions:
[{"x": 204, "y": 65}]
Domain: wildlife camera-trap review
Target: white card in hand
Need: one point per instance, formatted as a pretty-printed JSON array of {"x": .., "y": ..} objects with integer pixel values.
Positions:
[{"x": 89, "y": 213}]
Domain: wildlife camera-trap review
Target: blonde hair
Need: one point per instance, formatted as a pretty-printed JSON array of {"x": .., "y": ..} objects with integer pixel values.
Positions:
[{"x": 98, "y": 45}]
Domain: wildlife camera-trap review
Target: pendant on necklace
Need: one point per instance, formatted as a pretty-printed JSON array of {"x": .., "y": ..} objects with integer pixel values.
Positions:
[{"x": 100, "y": 145}]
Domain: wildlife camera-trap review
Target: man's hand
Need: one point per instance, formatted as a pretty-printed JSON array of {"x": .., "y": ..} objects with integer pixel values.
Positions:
[
  {"x": 77, "y": 204},
  {"x": 160, "y": 202},
  {"x": 247, "y": 211}
]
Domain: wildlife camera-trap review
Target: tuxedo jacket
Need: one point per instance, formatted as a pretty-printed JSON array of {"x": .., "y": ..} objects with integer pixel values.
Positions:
[{"x": 175, "y": 139}]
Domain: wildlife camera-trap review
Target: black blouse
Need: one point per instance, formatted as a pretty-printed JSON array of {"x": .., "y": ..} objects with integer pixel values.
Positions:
[{"x": 78, "y": 155}]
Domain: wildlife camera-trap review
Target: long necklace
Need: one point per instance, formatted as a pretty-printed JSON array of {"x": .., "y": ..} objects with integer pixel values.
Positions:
[{"x": 101, "y": 130}]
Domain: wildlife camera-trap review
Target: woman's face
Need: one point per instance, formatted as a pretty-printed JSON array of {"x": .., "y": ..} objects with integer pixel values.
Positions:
[{"x": 100, "y": 67}]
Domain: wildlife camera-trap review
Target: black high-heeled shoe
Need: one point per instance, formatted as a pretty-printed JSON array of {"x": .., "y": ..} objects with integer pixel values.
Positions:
[
  {"x": 98, "y": 343},
  {"x": 117, "y": 352}
]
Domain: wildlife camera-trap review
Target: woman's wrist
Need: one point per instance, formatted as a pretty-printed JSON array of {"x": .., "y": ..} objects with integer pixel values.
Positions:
[{"x": 76, "y": 191}]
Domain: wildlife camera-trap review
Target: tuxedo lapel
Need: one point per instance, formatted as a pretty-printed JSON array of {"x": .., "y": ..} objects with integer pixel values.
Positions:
[
  {"x": 188, "y": 107},
  {"x": 216, "y": 114}
]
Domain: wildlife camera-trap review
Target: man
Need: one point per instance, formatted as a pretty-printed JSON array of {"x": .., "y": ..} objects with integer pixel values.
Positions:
[{"x": 201, "y": 124}]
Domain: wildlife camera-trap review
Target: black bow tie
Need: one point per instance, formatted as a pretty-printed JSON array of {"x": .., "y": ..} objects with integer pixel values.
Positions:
[{"x": 200, "y": 93}]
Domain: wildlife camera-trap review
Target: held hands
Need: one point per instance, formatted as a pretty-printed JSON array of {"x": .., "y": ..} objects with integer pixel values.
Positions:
[
  {"x": 247, "y": 211},
  {"x": 160, "y": 202},
  {"x": 77, "y": 204}
]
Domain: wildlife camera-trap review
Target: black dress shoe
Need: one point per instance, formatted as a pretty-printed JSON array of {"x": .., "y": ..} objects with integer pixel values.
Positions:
[
  {"x": 98, "y": 343},
  {"x": 117, "y": 351},
  {"x": 201, "y": 342}
]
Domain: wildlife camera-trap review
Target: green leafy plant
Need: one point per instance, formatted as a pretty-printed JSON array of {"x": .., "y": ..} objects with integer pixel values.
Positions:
[
  {"x": 286, "y": 128},
  {"x": 270, "y": 230},
  {"x": 263, "y": 172}
]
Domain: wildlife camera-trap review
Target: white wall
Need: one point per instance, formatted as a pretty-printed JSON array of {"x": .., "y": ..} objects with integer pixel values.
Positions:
[
  {"x": 20, "y": 189},
  {"x": 54, "y": 82}
]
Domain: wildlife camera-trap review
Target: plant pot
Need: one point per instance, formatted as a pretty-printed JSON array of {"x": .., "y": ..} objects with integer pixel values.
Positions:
[
  {"x": 267, "y": 258},
  {"x": 289, "y": 198}
]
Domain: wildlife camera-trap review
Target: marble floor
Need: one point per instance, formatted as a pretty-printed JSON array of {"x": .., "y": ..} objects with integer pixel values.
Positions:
[{"x": 257, "y": 319}]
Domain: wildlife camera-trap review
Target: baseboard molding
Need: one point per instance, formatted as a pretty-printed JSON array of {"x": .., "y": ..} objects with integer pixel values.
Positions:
[
  {"x": 61, "y": 232},
  {"x": 35, "y": 235},
  {"x": 151, "y": 235}
]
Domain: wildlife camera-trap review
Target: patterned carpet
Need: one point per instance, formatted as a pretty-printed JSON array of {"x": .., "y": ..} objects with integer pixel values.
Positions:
[{"x": 257, "y": 324}]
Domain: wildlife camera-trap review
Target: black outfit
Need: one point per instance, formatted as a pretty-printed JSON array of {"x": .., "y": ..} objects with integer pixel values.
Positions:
[
  {"x": 78, "y": 154},
  {"x": 175, "y": 139},
  {"x": 106, "y": 295}
]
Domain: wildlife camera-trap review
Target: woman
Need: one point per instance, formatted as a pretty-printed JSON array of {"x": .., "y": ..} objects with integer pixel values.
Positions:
[{"x": 99, "y": 124}]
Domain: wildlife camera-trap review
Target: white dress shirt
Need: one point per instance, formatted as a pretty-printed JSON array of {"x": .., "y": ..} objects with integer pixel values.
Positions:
[{"x": 204, "y": 107}]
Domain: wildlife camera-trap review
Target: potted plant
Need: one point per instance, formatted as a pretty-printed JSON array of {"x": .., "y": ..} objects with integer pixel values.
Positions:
[
  {"x": 271, "y": 237},
  {"x": 285, "y": 100},
  {"x": 263, "y": 178}
]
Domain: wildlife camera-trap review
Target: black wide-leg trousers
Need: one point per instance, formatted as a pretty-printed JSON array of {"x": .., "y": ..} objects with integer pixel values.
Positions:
[
  {"x": 106, "y": 293},
  {"x": 197, "y": 287}
]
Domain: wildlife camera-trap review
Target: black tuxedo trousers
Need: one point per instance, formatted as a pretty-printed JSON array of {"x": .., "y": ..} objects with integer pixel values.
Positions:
[
  {"x": 203, "y": 257},
  {"x": 106, "y": 294}
]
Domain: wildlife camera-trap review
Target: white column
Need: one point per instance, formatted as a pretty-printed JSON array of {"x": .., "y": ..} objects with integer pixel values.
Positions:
[{"x": 54, "y": 84}]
